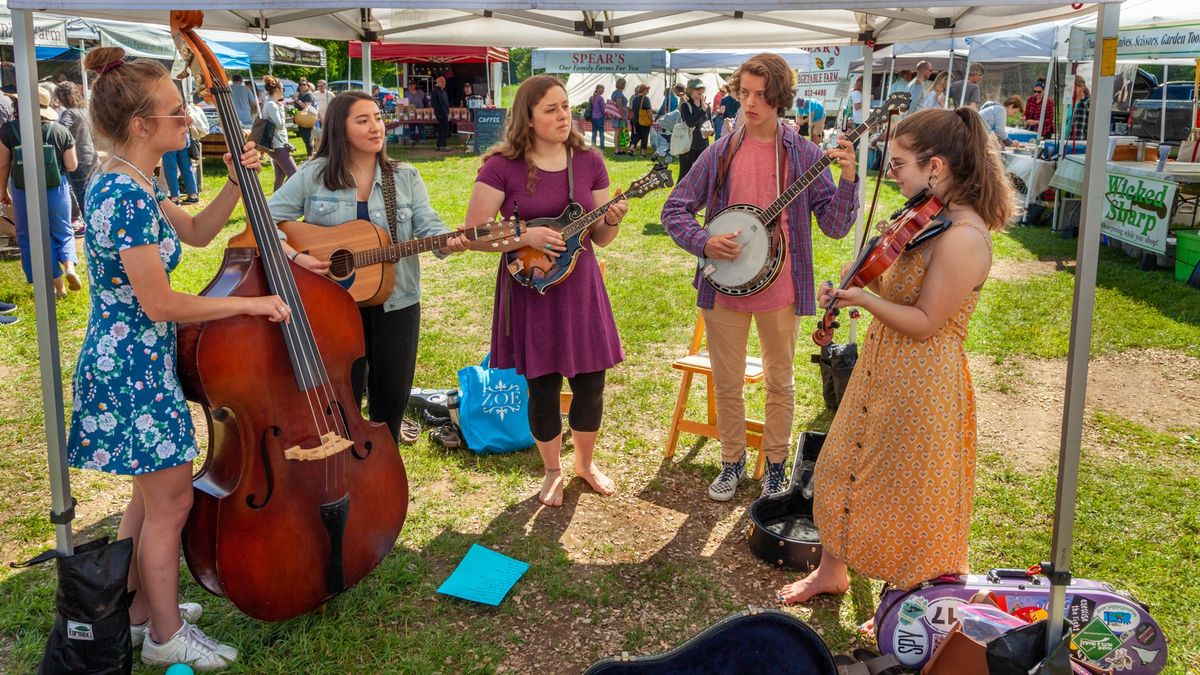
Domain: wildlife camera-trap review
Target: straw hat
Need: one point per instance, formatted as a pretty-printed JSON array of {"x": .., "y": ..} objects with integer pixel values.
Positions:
[{"x": 45, "y": 110}]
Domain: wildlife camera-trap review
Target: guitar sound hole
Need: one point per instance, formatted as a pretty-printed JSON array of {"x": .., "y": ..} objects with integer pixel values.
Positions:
[{"x": 341, "y": 263}]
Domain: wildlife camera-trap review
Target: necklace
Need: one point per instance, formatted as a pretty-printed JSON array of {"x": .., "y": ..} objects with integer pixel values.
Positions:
[{"x": 134, "y": 167}]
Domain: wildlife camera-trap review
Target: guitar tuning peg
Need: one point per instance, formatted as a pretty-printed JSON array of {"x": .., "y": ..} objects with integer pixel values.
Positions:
[{"x": 835, "y": 325}]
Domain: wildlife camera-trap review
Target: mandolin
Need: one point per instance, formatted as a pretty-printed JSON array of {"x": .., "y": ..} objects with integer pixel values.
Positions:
[
  {"x": 360, "y": 252},
  {"x": 533, "y": 268}
]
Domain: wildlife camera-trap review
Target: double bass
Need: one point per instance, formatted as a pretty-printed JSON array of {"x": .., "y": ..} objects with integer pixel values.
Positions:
[{"x": 299, "y": 498}]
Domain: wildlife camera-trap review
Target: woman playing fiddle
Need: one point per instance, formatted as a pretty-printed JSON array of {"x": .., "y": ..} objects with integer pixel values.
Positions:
[
  {"x": 896, "y": 475},
  {"x": 129, "y": 414}
]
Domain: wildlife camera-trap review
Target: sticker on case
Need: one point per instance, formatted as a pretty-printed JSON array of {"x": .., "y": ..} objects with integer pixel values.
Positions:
[
  {"x": 1118, "y": 616},
  {"x": 1096, "y": 641}
]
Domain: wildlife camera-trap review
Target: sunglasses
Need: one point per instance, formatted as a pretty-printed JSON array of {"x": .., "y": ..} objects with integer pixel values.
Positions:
[
  {"x": 1037, "y": 91},
  {"x": 892, "y": 165}
]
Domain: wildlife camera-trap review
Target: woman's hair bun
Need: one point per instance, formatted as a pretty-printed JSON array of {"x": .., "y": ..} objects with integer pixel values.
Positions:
[{"x": 104, "y": 59}]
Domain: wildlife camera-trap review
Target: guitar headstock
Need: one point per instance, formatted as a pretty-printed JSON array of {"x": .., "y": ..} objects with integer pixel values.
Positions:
[
  {"x": 499, "y": 232},
  {"x": 659, "y": 177}
]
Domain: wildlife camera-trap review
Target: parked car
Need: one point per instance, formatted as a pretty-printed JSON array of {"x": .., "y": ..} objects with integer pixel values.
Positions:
[
  {"x": 1132, "y": 83},
  {"x": 289, "y": 87},
  {"x": 338, "y": 86},
  {"x": 1145, "y": 116}
]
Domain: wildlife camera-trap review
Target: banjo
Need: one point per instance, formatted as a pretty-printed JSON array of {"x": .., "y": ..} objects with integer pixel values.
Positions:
[{"x": 758, "y": 234}]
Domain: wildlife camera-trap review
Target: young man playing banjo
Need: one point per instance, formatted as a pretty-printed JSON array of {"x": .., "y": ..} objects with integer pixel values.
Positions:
[{"x": 742, "y": 169}]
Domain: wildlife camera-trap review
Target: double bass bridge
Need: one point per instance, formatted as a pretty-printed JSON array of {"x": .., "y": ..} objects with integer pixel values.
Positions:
[{"x": 331, "y": 444}]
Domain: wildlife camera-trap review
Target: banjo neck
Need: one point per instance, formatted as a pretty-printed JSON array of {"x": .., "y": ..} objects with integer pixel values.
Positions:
[{"x": 771, "y": 213}]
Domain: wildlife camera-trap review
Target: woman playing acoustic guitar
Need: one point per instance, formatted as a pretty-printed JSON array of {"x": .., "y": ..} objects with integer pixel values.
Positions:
[
  {"x": 896, "y": 476},
  {"x": 568, "y": 332},
  {"x": 344, "y": 181}
]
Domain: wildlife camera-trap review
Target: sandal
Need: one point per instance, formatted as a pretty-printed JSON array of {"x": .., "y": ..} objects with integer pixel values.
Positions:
[{"x": 409, "y": 431}]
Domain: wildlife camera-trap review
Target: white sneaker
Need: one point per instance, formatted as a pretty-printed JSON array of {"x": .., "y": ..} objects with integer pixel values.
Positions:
[
  {"x": 188, "y": 611},
  {"x": 191, "y": 646},
  {"x": 726, "y": 483}
]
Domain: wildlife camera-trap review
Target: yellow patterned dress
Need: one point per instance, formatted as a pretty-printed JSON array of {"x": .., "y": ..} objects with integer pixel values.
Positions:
[{"x": 896, "y": 475}]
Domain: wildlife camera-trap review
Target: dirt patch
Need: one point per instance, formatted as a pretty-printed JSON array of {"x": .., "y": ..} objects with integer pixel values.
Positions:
[
  {"x": 1017, "y": 270},
  {"x": 1020, "y": 402}
]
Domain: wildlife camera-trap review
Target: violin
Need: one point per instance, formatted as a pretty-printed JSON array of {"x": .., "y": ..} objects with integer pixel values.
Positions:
[
  {"x": 918, "y": 221},
  {"x": 299, "y": 498}
]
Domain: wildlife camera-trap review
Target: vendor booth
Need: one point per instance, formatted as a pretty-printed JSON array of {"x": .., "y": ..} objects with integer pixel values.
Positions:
[{"x": 480, "y": 67}]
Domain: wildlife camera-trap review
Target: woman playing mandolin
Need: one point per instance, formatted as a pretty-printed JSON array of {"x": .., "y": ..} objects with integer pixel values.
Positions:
[
  {"x": 129, "y": 414},
  {"x": 346, "y": 180},
  {"x": 765, "y": 87},
  {"x": 568, "y": 332},
  {"x": 896, "y": 475}
]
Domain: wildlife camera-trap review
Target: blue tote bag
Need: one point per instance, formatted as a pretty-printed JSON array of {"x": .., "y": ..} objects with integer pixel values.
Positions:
[{"x": 492, "y": 412}]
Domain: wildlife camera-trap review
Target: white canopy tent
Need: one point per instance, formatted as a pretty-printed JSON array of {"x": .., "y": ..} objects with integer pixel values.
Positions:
[
  {"x": 759, "y": 24},
  {"x": 580, "y": 86},
  {"x": 727, "y": 60}
]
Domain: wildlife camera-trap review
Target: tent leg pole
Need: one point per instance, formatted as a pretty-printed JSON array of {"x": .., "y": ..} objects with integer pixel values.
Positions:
[
  {"x": 366, "y": 65},
  {"x": 864, "y": 144},
  {"x": 1087, "y": 259},
  {"x": 1162, "y": 126},
  {"x": 962, "y": 94},
  {"x": 37, "y": 207},
  {"x": 949, "y": 78}
]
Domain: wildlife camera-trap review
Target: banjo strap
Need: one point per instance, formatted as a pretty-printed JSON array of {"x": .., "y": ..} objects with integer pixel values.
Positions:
[{"x": 726, "y": 161}]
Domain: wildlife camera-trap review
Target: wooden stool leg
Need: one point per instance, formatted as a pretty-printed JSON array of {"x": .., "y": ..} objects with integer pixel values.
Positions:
[
  {"x": 712, "y": 401},
  {"x": 685, "y": 389},
  {"x": 760, "y": 465}
]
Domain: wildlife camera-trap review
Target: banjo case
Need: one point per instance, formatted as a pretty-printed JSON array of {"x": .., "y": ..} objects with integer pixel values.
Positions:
[{"x": 781, "y": 530}]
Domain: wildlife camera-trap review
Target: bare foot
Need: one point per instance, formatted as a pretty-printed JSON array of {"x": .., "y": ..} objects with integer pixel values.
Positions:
[
  {"x": 814, "y": 584},
  {"x": 601, "y": 483},
  {"x": 552, "y": 488}
]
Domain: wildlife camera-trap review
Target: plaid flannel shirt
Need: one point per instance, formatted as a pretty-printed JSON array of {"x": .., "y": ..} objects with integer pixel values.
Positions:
[{"x": 836, "y": 208}]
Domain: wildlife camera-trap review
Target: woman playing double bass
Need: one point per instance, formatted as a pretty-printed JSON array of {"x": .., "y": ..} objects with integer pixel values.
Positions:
[{"x": 129, "y": 415}]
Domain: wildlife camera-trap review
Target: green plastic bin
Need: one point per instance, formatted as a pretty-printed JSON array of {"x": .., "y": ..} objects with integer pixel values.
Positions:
[{"x": 1187, "y": 253}]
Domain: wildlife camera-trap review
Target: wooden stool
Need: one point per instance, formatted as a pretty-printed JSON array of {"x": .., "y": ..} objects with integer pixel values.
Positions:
[
  {"x": 696, "y": 362},
  {"x": 564, "y": 398}
]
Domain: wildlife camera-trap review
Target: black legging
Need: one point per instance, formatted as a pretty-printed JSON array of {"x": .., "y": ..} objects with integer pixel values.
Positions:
[
  {"x": 641, "y": 136},
  {"x": 545, "y": 411},
  {"x": 386, "y": 374}
]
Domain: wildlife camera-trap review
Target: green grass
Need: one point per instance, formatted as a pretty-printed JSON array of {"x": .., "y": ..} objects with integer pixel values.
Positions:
[{"x": 596, "y": 586}]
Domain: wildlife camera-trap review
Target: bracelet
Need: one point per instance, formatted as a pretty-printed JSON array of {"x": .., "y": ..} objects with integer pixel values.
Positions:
[
  {"x": 293, "y": 256},
  {"x": 611, "y": 224},
  {"x": 235, "y": 183}
]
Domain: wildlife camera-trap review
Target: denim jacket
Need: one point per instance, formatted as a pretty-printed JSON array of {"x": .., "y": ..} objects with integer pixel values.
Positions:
[{"x": 305, "y": 196}]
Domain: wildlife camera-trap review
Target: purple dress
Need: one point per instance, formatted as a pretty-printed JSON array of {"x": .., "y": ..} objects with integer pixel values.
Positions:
[{"x": 569, "y": 330}]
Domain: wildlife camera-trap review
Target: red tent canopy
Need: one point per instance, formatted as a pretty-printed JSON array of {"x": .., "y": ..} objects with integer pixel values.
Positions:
[{"x": 402, "y": 53}]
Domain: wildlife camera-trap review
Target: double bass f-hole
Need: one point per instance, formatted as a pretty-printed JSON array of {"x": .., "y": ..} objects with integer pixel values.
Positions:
[{"x": 264, "y": 453}]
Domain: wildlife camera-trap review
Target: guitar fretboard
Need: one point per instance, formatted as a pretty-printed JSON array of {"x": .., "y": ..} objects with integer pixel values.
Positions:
[{"x": 394, "y": 252}]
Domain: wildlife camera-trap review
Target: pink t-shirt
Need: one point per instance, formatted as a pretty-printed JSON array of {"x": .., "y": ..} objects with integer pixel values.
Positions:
[{"x": 752, "y": 180}]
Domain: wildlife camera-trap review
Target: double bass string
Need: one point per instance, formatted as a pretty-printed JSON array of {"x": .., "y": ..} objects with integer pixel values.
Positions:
[{"x": 298, "y": 333}]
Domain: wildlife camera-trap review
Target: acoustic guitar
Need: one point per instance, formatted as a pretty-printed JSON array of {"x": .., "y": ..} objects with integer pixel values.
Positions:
[
  {"x": 533, "y": 268},
  {"x": 360, "y": 252}
]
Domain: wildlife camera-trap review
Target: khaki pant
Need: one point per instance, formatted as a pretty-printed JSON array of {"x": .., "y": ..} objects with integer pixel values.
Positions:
[{"x": 727, "y": 332}]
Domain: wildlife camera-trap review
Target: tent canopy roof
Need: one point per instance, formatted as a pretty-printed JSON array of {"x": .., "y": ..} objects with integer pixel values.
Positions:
[
  {"x": 755, "y": 24},
  {"x": 409, "y": 53}
]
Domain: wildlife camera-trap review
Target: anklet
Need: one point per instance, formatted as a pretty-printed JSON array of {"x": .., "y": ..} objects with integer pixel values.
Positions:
[{"x": 558, "y": 470}]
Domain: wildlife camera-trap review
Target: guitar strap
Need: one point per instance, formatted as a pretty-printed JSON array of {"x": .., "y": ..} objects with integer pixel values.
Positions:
[{"x": 389, "y": 202}]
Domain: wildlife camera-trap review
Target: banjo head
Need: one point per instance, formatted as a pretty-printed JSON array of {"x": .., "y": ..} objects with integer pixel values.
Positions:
[{"x": 754, "y": 238}]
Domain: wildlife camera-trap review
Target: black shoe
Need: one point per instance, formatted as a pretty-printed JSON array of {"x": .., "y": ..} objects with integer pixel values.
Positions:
[
  {"x": 7, "y": 307},
  {"x": 409, "y": 431},
  {"x": 446, "y": 436},
  {"x": 192, "y": 199}
]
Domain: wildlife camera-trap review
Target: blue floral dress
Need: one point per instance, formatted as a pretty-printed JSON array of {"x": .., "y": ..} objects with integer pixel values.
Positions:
[{"x": 129, "y": 415}]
